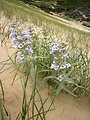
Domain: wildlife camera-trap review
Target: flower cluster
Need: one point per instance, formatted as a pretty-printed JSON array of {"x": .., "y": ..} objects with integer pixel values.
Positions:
[
  {"x": 22, "y": 39},
  {"x": 60, "y": 55}
]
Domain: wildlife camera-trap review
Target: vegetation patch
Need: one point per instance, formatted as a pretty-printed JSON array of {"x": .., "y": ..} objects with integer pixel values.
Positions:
[
  {"x": 42, "y": 57},
  {"x": 63, "y": 66}
]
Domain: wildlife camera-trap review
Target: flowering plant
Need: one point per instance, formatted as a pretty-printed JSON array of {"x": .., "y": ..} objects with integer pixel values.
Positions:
[
  {"x": 62, "y": 67},
  {"x": 60, "y": 58}
]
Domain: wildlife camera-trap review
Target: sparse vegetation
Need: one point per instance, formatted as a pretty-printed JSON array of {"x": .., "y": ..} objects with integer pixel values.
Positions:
[{"x": 48, "y": 51}]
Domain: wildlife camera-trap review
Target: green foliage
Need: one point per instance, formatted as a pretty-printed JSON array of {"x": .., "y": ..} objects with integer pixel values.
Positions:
[
  {"x": 73, "y": 69},
  {"x": 30, "y": 109}
]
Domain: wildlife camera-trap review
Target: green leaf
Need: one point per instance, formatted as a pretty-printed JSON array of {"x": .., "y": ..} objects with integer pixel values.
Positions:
[
  {"x": 33, "y": 73},
  {"x": 43, "y": 71},
  {"x": 70, "y": 81},
  {"x": 59, "y": 89},
  {"x": 67, "y": 90}
]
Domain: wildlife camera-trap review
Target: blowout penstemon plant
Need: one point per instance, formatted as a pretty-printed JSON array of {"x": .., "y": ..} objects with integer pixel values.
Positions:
[
  {"x": 60, "y": 65},
  {"x": 25, "y": 41},
  {"x": 22, "y": 39},
  {"x": 60, "y": 55},
  {"x": 65, "y": 68},
  {"x": 70, "y": 69}
]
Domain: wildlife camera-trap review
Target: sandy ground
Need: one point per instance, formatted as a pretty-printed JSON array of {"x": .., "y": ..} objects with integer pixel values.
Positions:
[{"x": 66, "y": 107}]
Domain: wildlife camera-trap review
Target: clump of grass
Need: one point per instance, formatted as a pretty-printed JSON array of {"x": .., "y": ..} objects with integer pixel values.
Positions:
[
  {"x": 3, "y": 110},
  {"x": 30, "y": 110},
  {"x": 1, "y": 104}
]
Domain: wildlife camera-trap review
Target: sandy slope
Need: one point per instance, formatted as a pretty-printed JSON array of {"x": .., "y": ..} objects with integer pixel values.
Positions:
[{"x": 66, "y": 107}]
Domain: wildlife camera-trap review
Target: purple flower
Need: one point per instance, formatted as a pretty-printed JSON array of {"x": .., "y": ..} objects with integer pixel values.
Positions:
[
  {"x": 20, "y": 45},
  {"x": 25, "y": 32},
  {"x": 21, "y": 56},
  {"x": 68, "y": 65},
  {"x": 14, "y": 39},
  {"x": 19, "y": 38},
  {"x": 59, "y": 77},
  {"x": 26, "y": 49},
  {"x": 15, "y": 43},
  {"x": 54, "y": 48},
  {"x": 29, "y": 50},
  {"x": 26, "y": 36},
  {"x": 26, "y": 43},
  {"x": 62, "y": 67},
  {"x": 55, "y": 66},
  {"x": 13, "y": 34}
]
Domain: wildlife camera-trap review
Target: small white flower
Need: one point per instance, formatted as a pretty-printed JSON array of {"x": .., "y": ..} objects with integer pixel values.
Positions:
[
  {"x": 54, "y": 66},
  {"x": 68, "y": 65},
  {"x": 59, "y": 77},
  {"x": 62, "y": 67},
  {"x": 20, "y": 56},
  {"x": 19, "y": 38},
  {"x": 20, "y": 45},
  {"x": 65, "y": 66},
  {"x": 30, "y": 50}
]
